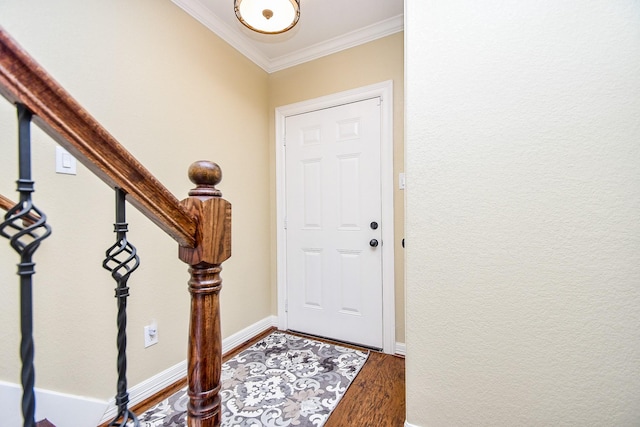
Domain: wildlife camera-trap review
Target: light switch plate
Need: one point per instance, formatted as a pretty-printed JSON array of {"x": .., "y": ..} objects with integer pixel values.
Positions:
[{"x": 65, "y": 162}]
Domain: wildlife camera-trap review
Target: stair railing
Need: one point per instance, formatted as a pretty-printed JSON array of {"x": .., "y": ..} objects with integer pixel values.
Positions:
[{"x": 200, "y": 224}]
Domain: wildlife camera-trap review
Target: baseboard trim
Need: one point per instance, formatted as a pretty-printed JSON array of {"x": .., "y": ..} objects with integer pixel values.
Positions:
[
  {"x": 248, "y": 333},
  {"x": 401, "y": 349},
  {"x": 60, "y": 408},
  {"x": 164, "y": 379},
  {"x": 148, "y": 388},
  {"x": 79, "y": 411},
  {"x": 407, "y": 424}
]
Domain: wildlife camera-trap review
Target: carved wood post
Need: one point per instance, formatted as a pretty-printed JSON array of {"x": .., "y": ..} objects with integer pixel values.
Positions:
[{"x": 213, "y": 246}]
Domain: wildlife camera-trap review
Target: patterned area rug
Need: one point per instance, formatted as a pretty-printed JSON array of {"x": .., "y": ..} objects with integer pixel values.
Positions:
[{"x": 283, "y": 380}]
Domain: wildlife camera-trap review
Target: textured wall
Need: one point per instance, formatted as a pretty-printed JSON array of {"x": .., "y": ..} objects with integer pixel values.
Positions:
[
  {"x": 172, "y": 92},
  {"x": 523, "y": 213}
]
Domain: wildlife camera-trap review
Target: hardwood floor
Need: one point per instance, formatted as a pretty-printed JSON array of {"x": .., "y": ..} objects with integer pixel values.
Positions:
[{"x": 376, "y": 398}]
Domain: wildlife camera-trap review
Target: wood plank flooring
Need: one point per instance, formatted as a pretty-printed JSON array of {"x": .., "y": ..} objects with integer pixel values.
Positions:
[{"x": 376, "y": 397}]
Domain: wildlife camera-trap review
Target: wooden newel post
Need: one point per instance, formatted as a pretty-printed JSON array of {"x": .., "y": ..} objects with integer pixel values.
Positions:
[{"x": 213, "y": 246}]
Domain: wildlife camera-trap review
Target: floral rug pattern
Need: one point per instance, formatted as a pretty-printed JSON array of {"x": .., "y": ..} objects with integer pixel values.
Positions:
[{"x": 283, "y": 380}]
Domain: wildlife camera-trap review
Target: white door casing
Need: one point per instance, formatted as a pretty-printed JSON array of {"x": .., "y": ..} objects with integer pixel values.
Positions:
[
  {"x": 334, "y": 274},
  {"x": 384, "y": 91}
]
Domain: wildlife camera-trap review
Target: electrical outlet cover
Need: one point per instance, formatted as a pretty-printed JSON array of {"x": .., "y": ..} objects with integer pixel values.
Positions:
[{"x": 150, "y": 335}]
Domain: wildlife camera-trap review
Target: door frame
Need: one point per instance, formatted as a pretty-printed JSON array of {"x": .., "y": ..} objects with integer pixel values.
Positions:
[{"x": 384, "y": 90}]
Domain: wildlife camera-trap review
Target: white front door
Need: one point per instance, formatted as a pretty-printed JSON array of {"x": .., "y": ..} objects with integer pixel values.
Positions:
[{"x": 333, "y": 223}]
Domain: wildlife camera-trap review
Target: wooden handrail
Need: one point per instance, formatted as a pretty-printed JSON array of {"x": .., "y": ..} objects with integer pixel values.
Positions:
[
  {"x": 6, "y": 204},
  {"x": 22, "y": 80}
]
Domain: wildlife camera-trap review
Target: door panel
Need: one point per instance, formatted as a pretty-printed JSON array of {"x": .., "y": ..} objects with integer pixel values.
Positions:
[{"x": 334, "y": 280}]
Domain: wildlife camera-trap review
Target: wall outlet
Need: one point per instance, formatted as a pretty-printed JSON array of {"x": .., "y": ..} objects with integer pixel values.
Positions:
[{"x": 151, "y": 334}]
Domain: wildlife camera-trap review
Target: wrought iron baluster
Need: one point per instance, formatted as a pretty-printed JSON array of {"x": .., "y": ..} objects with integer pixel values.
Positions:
[
  {"x": 121, "y": 261},
  {"x": 25, "y": 226}
]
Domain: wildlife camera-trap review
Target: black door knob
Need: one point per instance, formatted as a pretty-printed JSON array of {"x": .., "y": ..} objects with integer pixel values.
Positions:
[{"x": 373, "y": 243}]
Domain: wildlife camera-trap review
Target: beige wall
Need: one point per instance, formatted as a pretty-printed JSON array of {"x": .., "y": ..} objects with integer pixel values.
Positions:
[
  {"x": 367, "y": 64},
  {"x": 172, "y": 93},
  {"x": 523, "y": 202}
]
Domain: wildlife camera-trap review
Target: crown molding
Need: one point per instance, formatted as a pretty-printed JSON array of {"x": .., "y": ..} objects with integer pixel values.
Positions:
[
  {"x": 363, "y": 35},
  {"x": 202, "y": 14}
]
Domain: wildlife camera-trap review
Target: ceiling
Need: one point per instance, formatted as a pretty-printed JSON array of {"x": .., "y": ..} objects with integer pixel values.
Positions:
[{"x": 325, "y": 27}]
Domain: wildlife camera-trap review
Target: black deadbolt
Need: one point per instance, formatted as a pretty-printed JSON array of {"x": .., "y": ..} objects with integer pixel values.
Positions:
[{"x": 374, "y": 225}]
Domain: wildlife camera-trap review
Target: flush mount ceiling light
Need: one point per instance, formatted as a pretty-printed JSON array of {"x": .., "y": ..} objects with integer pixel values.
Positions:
[{"x": 268, "y": 16}]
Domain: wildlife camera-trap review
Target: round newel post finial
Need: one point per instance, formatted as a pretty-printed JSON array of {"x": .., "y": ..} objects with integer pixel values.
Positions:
[{"x": 206, "y": 175}]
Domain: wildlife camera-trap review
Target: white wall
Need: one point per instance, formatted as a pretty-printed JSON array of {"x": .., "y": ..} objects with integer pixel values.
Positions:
[{"x": 523, "y": 213}]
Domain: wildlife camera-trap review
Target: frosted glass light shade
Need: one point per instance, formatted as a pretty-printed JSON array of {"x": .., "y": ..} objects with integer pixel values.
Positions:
[{"x": 268, "y": 16}]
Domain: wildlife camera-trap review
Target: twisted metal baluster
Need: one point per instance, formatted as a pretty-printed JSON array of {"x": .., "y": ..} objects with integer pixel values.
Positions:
[
  {"x": 25, "y": 226},
  {"x": 121, "y": 261}
]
